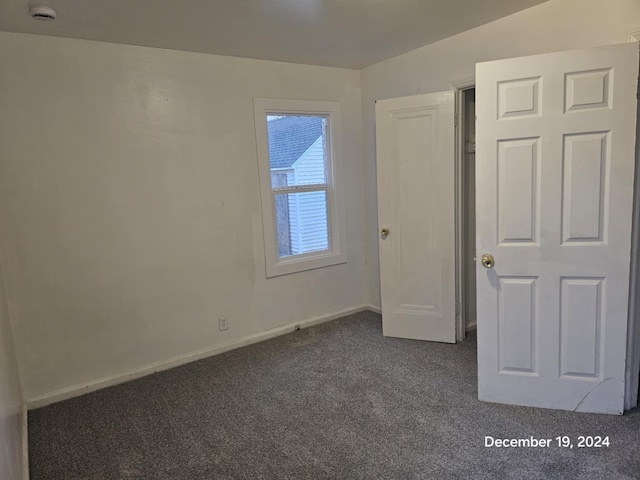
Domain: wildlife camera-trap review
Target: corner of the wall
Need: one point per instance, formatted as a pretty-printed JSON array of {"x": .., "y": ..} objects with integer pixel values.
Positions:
[
  {"x": 25, "y": 442},
  {"x": 375, "y": 309}
]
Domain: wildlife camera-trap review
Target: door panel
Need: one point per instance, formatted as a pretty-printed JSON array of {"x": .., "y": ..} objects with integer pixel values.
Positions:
[
  {"x": 516, "y": 324},
  {"x": 415, "y": 163},
  {"x": 584, "y": 193},
  {"x": 518, "y": 180},
  {"x": 580, "y": 326},
  {"x": 554, "y": 191}
]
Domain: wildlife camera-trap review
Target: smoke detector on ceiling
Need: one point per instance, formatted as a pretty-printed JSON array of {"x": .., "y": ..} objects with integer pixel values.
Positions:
[{"x": 42, "y": 13}]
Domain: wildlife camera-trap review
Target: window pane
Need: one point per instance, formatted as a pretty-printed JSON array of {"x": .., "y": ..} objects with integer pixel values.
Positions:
[
  {"x": 302, "y": 223},
  {"x": 297, "y": 145}
]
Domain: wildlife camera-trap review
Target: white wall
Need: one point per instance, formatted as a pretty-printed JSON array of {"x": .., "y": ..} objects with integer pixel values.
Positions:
[
  {"x": 11, "y": 402},
  {"x": 129, "y": 198},
  {"x": 553, "y": 26}
]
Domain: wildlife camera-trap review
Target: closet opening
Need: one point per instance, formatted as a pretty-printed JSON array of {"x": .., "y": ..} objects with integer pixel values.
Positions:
[{"x": 466, "y": 210}]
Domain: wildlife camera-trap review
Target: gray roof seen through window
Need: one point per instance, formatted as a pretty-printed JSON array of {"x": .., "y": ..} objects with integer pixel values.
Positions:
[{"x": 291, "y": 136}]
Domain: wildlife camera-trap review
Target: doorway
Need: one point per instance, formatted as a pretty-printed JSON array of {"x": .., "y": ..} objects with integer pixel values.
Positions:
[
  {"x": 552, "y": 202},
  {"x": 466, "y": 210}
]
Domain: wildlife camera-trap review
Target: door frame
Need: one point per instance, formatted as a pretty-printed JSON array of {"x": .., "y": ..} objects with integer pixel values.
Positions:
[
  {"x": 458, "y": 87},
  {"x": 632, "y": 373}
]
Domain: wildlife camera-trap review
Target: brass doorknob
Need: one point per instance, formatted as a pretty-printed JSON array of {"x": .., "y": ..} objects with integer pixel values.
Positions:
[
  {"x": 384, "y": 231},
  {"x": 488, "y": 261}
]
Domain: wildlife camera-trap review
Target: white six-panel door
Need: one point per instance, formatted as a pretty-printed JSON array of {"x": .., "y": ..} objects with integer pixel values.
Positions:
[
  {"x": 415, "y": 169},
  {"x": 554, "y": 190}
]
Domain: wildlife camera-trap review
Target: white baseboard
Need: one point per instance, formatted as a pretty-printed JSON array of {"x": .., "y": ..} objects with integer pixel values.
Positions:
[
  {"x": 25, "y": 442},
  {"x": 77, "y": 390}
]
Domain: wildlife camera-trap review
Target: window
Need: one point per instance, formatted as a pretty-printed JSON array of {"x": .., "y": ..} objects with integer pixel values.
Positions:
[{"x": 302, "y": 206}]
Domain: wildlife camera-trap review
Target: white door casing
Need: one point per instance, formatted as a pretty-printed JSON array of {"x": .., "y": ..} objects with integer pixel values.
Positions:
[
  {"x": 554, "y": 190},
  {"x": 415, "y": 170}
]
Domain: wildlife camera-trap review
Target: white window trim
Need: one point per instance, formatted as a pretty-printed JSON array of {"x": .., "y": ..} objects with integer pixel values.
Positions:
[{"x": 337, "y": 252}]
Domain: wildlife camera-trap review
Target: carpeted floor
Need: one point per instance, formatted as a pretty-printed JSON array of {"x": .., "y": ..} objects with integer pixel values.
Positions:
[{"x": 337, "y": 401}]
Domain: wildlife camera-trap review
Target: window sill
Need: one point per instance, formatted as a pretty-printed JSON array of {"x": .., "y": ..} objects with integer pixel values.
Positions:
[{"x": 301, "y": 263}]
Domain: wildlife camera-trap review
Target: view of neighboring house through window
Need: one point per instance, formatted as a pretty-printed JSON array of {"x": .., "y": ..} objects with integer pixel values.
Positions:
[{"x": 297, "y": 157}]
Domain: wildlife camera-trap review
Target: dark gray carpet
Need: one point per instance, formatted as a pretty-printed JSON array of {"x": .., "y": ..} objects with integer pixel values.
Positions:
[{"x": 337, "y": 401}]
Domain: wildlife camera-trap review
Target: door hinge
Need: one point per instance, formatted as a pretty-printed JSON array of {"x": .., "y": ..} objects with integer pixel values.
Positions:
[{"x": 455, "y": 119}]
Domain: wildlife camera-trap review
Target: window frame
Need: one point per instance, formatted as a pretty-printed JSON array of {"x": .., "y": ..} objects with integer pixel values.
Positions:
[{"x": 336, "y": 225}]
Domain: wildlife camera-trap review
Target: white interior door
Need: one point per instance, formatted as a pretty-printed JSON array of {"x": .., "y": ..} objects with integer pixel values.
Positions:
[
  {"x": 554, "y": 191},
  {"x": 416, "y": 218}
]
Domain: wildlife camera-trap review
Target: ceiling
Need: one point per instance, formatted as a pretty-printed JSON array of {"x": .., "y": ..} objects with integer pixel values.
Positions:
[{"x": 340, "y": 33}]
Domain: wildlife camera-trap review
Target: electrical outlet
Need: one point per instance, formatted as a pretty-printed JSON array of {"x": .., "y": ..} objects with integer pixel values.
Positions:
[{"x": 224, "y": 322}]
